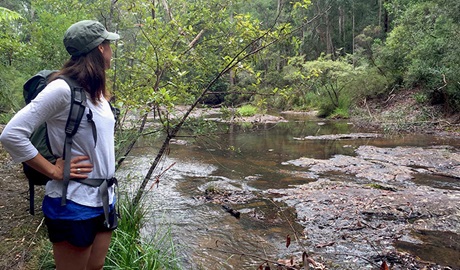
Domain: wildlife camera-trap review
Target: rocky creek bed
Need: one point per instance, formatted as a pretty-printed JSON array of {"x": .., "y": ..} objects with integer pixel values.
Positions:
[
  {"x": 372, "y": 211},
  {"x": 356, "y": 211},
  {"x": 362, "y": 210}
]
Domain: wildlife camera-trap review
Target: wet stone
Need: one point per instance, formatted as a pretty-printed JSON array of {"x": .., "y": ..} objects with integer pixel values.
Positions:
[
  {"x": 373, "y": 218},
  {"x": 364, "y": 221},
  {"x": 388, "y": 164},
  {"x": 352, "y": 136}
]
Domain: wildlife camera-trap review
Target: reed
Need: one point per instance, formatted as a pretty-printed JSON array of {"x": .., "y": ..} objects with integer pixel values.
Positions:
[{"x": 131, "y": 250}]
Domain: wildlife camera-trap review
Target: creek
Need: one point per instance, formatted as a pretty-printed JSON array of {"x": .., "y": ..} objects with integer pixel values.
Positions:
[{"x": 249, "y": 160}]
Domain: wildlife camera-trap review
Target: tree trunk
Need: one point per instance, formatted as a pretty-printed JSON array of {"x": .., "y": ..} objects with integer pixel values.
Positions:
[
  {"x": 231, "y": 72},
  {"x": 353, "y": 33},
  {"x": 342, "y": 24},
  {"x": 168, "y": 11},
  {"x": 386, "y": 23},
  {"x": 328, "y": 35}
]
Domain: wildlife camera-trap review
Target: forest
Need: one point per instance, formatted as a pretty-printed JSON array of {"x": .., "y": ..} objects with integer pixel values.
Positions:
[
  {"x": 326, "y": 55},
  {"x": 329, "y": 56}
]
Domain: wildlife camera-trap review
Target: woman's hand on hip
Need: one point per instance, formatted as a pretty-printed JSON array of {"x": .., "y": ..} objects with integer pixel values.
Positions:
[{"x": 78, "y": 168}]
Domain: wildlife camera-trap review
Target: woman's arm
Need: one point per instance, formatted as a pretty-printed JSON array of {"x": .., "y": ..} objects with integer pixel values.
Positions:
[
  {"x": 52, "y": 102},
  {"x": 78, "y": 169}
]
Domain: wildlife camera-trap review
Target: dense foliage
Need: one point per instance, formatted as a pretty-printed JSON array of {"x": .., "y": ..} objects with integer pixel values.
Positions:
[{"x": 305, "y": 54}]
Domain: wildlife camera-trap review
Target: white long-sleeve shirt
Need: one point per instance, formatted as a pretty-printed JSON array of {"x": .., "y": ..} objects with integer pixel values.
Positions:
[{"x": 52, "y": 106}]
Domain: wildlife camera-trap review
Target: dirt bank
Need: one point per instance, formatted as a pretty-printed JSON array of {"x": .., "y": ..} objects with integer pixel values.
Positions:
[{"x": 20, "y": 233}]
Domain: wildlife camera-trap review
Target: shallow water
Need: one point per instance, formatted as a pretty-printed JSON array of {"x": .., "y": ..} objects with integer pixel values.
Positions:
[
  {"x": 247, "y": 159},
  {"x": 444, "y": 247}
]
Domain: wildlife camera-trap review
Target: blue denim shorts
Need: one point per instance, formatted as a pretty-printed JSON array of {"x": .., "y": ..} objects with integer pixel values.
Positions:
[{"x": 79, "y": 233}]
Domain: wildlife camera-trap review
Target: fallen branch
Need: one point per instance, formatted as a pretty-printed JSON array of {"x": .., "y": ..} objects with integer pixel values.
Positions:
[{"x": 157, "y": 178}]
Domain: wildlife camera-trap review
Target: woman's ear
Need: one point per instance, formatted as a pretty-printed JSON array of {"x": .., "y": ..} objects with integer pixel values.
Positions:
[{"x": 101, "y": 48}]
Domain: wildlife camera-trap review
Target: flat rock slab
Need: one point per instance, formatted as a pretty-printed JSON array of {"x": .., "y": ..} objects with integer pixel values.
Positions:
[
  {"x": 347, "y": 222},
  {"x": 377, "y": 206},
  {"x": 351, "y": 136},
  {"x": 389, "y": 165}
]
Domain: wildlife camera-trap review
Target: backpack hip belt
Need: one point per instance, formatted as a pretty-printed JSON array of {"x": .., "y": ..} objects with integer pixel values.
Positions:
[{"x": 103, "y": 185}]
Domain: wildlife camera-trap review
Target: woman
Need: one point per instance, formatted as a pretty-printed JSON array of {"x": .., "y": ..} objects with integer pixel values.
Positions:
[{"x": 77, "y": 230}]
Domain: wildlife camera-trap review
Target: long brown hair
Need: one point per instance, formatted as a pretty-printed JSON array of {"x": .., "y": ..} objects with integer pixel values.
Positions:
[{"x": 89, "y": 71}]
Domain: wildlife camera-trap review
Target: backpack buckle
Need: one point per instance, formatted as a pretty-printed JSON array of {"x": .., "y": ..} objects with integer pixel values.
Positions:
[{"x": 78, "y": 98}]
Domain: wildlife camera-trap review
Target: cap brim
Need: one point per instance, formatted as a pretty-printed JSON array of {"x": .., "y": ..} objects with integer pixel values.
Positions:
[{"x": 112, "y": 36}]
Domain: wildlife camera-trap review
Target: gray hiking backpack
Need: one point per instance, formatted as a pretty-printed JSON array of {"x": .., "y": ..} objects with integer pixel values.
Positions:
[{"x": 39, "y": 139}]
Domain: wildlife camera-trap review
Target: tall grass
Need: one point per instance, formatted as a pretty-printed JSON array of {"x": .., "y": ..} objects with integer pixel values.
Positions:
[{"x": 130, "y": 250}]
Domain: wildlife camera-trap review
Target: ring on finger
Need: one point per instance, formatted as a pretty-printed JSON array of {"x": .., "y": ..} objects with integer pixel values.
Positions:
[{"x": 78, "y": 170}]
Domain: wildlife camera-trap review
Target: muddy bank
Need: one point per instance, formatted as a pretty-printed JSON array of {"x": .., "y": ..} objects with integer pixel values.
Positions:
[{"x": 372, "y": 211}]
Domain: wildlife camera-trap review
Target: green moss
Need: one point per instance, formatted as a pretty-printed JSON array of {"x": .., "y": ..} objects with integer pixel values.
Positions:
[{"x": 378, "y": 186}]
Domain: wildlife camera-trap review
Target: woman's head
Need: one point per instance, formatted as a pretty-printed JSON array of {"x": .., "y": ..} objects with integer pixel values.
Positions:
[
  {"x": 84, "y": 36},
  {"x": 88, "y": 43}
]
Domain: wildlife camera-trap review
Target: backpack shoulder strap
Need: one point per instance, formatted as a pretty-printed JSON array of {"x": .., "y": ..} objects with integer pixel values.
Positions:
[
  {"x": 77, "y": 106},
  {"x": 77, "y": 109}
]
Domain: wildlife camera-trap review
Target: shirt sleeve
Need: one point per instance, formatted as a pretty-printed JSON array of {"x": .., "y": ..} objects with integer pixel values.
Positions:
[{"x": 51, "y": 102}]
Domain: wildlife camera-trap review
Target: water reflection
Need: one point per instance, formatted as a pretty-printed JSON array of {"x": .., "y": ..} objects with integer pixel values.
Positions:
[{"x": 248, "y": 158}]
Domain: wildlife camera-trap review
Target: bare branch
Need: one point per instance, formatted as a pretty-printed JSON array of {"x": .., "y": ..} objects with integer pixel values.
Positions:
[{"x": 192, "y": 43}]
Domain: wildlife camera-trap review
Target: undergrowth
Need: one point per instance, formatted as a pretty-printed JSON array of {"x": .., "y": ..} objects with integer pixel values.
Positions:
[{"x": 131, "y": 250}]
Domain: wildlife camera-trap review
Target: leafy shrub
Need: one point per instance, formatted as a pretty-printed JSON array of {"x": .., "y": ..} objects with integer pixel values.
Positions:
[
  {"x": 423, "y": 51},
  {"x": 247, "y": 110},
  {"x": 11, "y": 98}
]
